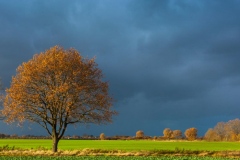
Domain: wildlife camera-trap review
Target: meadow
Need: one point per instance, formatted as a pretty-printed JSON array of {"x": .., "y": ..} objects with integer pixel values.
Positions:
[
  {"x": 125, "y": 145},
  {"x": 27, "y": 149}
]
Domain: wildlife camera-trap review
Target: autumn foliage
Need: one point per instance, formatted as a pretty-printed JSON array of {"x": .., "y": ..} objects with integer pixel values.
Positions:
[
  {"x": 167, "y": 133},
  {"x": 177, "y": 134},
  {"x": 140, "y": 134},
  {"x": 172, "y": 134},
  {"x": 191, "y": 134},
  {"x": 102, "y": 136},
  {"x": 58, "y": 88},
  {"x": 224, "y": 131}
]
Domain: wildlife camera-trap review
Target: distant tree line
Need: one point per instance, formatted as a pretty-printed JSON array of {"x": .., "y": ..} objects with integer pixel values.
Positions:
[
  {"x": 224, "y": 131},
  {"x": 168, "y": 134},
  {"x": 16, "y": 136},
  {"x": 190, "y": 134}
]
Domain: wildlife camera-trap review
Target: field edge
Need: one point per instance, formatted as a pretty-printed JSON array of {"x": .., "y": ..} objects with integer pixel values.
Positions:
[{"x": 99, "y": 152}]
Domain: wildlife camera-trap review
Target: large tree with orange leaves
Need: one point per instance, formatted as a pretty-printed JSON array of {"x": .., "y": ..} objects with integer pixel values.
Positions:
[{"x": 58, "y": 88}]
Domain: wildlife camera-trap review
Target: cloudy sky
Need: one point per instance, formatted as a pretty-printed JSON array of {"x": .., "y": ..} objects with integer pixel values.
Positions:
[{"x": 170, "y": 63}]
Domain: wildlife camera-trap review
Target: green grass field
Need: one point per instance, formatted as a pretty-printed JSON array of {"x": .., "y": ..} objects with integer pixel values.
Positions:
[{"x": 132, "y": 145}]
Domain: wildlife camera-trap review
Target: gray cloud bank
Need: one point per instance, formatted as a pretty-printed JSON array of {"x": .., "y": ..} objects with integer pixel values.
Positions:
[{"x": 169, "y": 63}]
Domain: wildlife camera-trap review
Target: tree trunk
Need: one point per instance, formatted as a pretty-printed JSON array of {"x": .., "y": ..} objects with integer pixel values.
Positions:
[{"x": 55, "y": 143}]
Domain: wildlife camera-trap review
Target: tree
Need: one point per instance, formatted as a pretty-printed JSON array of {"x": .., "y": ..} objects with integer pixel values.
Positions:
[
  {"x": 220, "y": 129},
  {"x": 211, "y": 135},
  {"x": 102, "y": 136},
  {"x": 225, "y": 131},
  {"x": 234, "y": 126},
  {"x": 167, "y": 133},
  {"x": 177, "y": 134},
  {"x": 191, "y": 134},
  {"x": 155, "y": 138},
  {"x": 58, "y": 88},
  {"x": 140, "y": 134}
]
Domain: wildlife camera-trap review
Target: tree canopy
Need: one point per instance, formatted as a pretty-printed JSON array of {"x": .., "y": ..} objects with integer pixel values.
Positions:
[
  {"x": 139, "y": 134},
  {"x": 167, "y": 133},
  {"x": 191, "y": 134},
  {"x": 58, "y": 88},
  {"x": 224, "y": 131}
]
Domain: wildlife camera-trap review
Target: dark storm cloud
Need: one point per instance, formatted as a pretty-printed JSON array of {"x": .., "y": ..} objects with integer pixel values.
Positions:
[{"x": 169, "y": 63}]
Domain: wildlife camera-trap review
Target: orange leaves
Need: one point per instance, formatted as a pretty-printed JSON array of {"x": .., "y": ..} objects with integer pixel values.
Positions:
[
  {"x": 62, "y": 84},
  {"x": 140, "y": 134},
  {"x": 211, "y": 135},
  {"x": 191, "y": 134},
  {"x": 57, "y": 88},
  {"x": 167, "y": 132},
  {"x": 224, "y": 131},
  {"x": 177, "y": 134},
  {"x": 12, "y": 111}
]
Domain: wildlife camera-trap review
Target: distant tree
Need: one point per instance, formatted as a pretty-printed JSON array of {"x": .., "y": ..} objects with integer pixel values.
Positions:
[
  {"x": 102, "y": 136},
  {"x": 2, "y": 135},
  {"x": 191, "y": 134},
  {"x": 233, "y": 136},
  {"x": 14, "y": 136},
  {"x": 220, "y": 130},
  {"x": 155, "y": 137},
  {"x": 233, "y": 129},
  {"x": 211, "y": 135},
  {"x": 24, "y": 136},
  {"x": 75, "y": 137},
  {"x": 58, "y": 88},
  {"x": 238, "y": 137},
  {"x": 139, "y": 134},
  {"x": 224, "y": 131},
  {"x": 177, "y": 134},
  {"x": 167, "y": 133}
]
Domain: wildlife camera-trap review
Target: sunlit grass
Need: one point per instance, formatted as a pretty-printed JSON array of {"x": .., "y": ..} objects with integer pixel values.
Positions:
[
  {"x": 132, "y": 145},
  {"x": 117, "y": 148}
]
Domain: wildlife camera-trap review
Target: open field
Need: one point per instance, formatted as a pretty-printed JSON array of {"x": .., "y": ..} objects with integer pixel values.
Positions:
[
  {"x": 132, "y": 145},
  {"x": 112, "y": 149}
]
